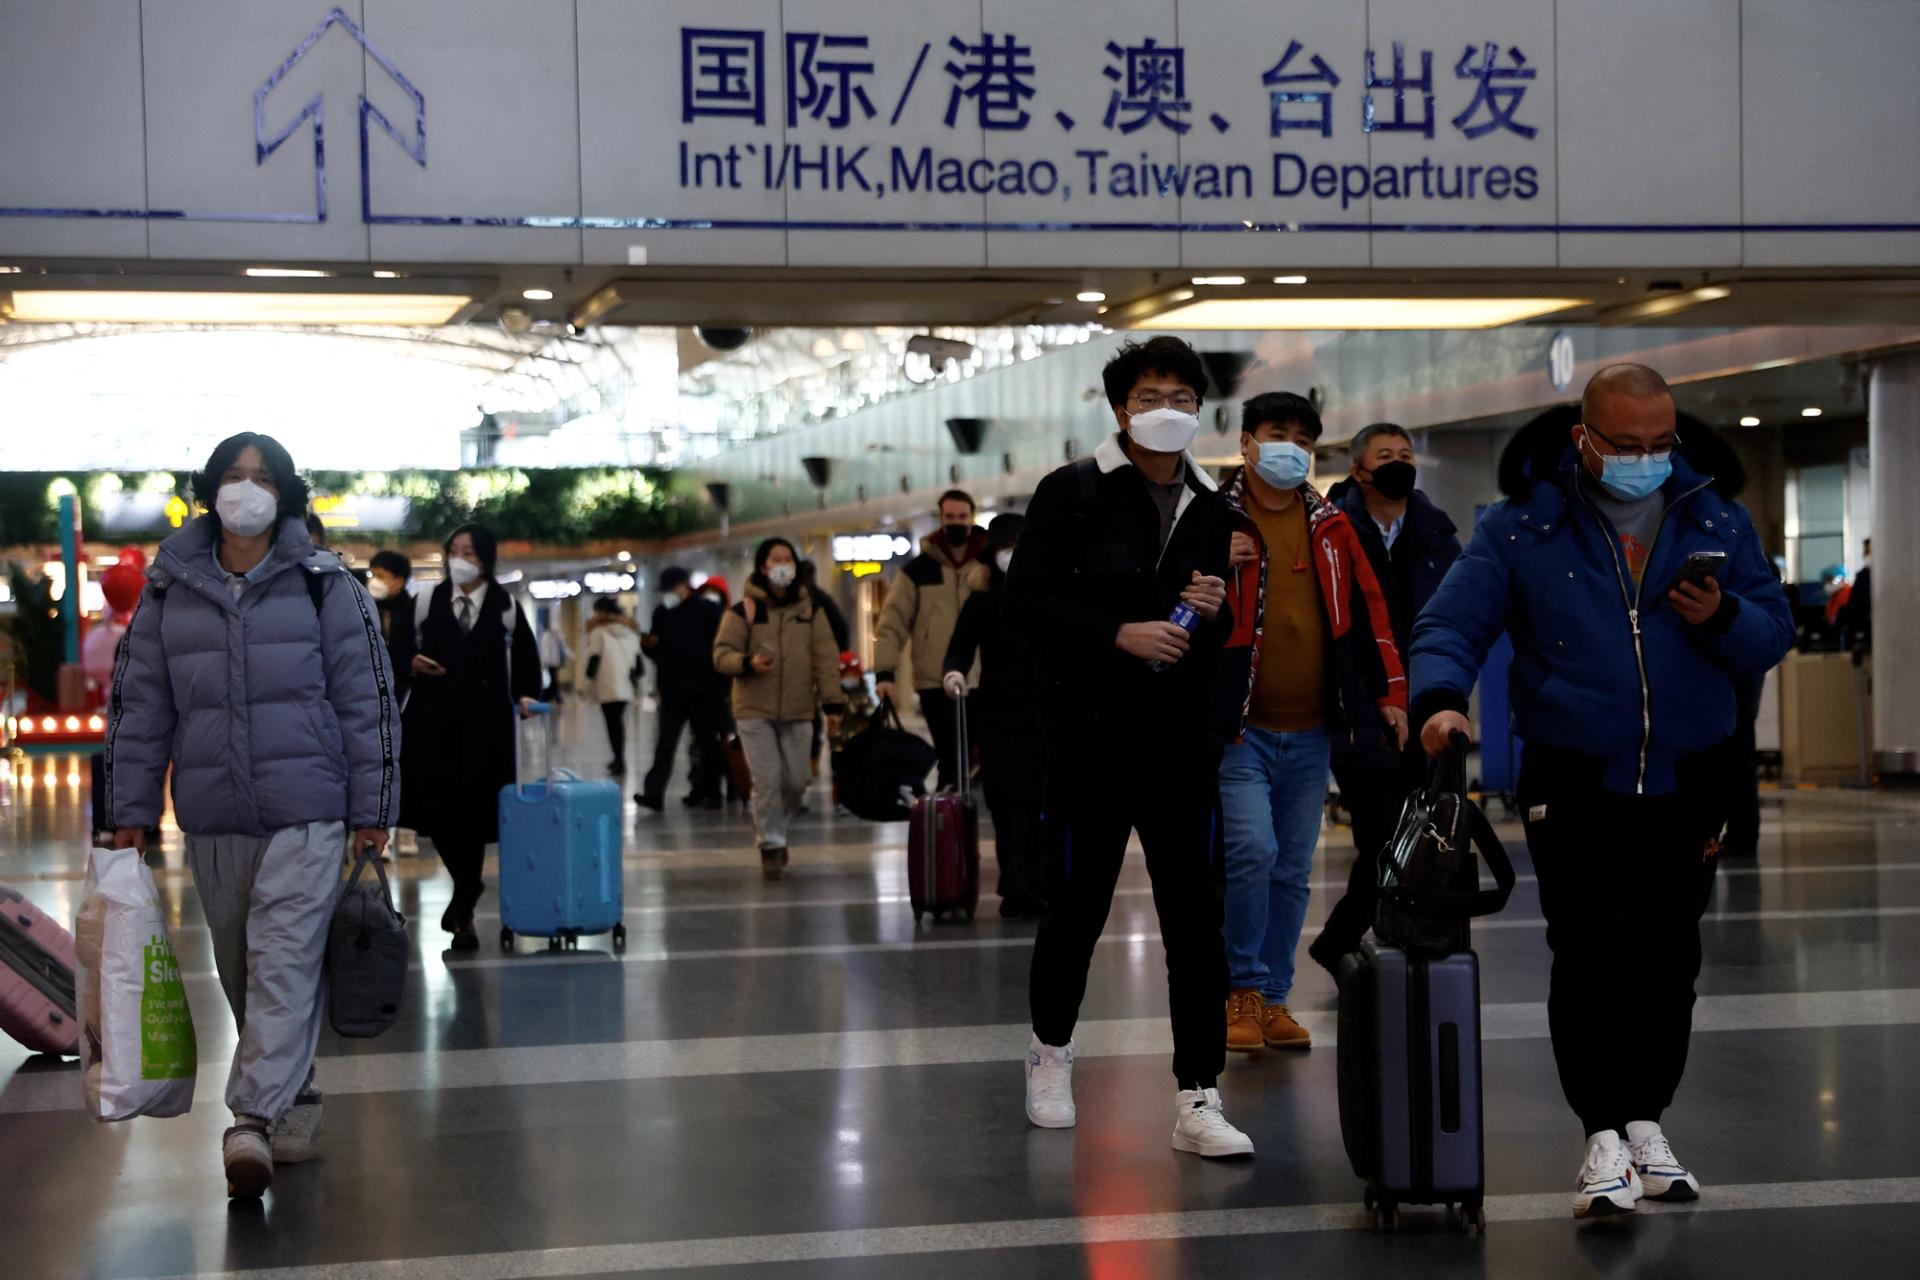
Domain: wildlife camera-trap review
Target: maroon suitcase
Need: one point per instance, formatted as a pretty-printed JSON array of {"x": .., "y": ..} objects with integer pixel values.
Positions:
[{"x": 943, "y": 844}]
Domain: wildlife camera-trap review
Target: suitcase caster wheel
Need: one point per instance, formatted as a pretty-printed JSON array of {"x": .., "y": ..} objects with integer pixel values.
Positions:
[
  {"x": 506, "y": 939},
  {"x": 1473, "y": 1218},
  {"x": 573, "y": 942},
  {"x": 917, "y": 915},
  {"x": 1386, "y": 1217},
  {"x": 619, "y": 937},
  {"x": 969, "y": 915},
  {"x": 553, "y": 944},
  {"x": 1367, "y": 1201}
]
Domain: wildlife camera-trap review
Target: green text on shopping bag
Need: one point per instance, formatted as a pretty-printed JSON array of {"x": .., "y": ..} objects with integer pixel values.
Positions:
[{"x": 167, "y": 1047}]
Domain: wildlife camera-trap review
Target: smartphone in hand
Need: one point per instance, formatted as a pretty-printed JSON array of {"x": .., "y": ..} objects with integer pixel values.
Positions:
[{"x": 1698, "y": 567}]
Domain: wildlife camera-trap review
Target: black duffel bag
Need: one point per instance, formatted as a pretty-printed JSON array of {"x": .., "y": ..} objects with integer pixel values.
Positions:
[
  {"x": 1429, "y": 874},
  {"x": 882, "y": 768},
  {"x": 366, "y": 954}
]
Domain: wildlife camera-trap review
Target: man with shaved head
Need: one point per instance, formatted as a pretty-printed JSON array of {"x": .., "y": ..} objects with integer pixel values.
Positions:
[{"x": 1634, "y": 593}]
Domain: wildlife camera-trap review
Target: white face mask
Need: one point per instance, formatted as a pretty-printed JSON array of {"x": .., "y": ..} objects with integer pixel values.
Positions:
[
  {"x": 378, "y": 588},
  {"x": 781, "y": 575},
  {"x": 669, "y": 600},
  {"x": 1004, "y": 558},
  {"x": 463, "y": 572},
  {"x": 245, "y": 508},
  {"x": 1163, "y": 430}
]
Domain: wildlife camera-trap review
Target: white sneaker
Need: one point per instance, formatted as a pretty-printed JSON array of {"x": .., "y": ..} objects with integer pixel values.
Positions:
[
  {"x": 1200, "y": 1126},
  {"x": 1608, "y": 1182},
  {"x": 248, "y": 1158},
  {"x": 1050, "y": 1085},
  {"x": 1664, "y": 1177},
  {"x": 294, "y": 1135}
]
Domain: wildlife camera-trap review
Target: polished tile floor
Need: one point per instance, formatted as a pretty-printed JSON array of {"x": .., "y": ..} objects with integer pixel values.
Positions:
[{"x": 794, "y": 1080}]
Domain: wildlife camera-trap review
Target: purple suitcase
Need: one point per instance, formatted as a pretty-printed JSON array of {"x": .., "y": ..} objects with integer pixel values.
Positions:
[
  {"x": 1410, "y": 1083},
  {"x": 943, "y": 845},
  {"x": 36, "y": 978}
]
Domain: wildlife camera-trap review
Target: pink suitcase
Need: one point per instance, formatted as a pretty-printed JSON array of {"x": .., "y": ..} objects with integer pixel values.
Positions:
[
  {"x": 36, "y": 978},
  {"x": 943, "y": 844}
]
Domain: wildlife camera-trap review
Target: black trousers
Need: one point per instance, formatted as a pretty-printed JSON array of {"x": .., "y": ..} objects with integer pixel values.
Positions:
[
  {"x": 464, "y": 856},
  {"x": 1624, "y": 880},
  {"x": 615, "y": 714},
  {"x": 708, "y": 718},
  {"x": 1089, "y": 814},
  {"x": 1373, "y": 799},
  {"x": 1743, "y": 772},
  {"x": 942, "y": 716},
  {"x": 1013, "y": 767}
]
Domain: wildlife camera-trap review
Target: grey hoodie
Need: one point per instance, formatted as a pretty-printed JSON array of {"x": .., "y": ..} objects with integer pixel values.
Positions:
[{"x": 275, "y": 709}]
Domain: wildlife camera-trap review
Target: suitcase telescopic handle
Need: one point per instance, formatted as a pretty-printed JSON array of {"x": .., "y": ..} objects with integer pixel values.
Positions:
[{"x": 964, "y": 771}]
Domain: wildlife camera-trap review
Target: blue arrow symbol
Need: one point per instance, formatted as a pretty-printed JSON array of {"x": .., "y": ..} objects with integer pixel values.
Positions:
[{"x": 315, "y": 110}]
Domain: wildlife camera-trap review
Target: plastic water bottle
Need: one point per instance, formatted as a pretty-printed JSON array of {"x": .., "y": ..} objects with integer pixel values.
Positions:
[{"x": 1184, "y": 617}]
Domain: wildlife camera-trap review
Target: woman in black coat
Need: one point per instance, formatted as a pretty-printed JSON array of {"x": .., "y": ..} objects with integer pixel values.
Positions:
[
  {"x": 458, "y": 732},
  {"x": 1006, "y": 713}
]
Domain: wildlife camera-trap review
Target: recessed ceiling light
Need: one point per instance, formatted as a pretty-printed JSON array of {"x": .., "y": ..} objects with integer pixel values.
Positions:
[
  {"x": 1810, "y": 412},
  {"x": 9, "y": 271},
  {"x": 1289, "y": 279},
  {"x": 1665, "y": 304},
  {"x": 1749, "y": 421},
  {"x": 386, "y": 275},
  {"x": 1090, "y": 295},
  {"x": 1356, "y": 313},
  {"x": 105, "y": 306},
  {"x": 537, "y": 295},
  {"x": 1219, "y": 279},
  {"x": 287, "y": 273}
]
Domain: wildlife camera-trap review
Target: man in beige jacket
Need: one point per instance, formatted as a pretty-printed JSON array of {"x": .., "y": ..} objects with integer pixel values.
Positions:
[
  {"x": 922, "y": 606},
  {"x": 781, "y": 653}
]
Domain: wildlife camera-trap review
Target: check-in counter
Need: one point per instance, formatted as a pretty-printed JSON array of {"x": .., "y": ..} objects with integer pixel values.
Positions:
[{"x": 1826, "y": 713}]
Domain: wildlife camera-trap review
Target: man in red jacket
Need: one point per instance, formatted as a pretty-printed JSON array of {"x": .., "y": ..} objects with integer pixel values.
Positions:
[{"x": 1311, "y": 653}]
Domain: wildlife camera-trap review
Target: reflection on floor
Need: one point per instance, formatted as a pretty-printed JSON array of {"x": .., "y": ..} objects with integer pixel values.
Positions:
[{"x": 794, "y": 1080}]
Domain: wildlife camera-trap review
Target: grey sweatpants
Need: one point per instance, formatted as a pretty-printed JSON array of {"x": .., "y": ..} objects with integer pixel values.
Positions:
[
  {"x": 269, "y": 901},
  {"x": 779, "y": 756}
]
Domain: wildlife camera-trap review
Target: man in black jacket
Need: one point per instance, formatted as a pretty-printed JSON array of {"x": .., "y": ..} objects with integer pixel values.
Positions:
[
  {"x": 1411, "y": 544},
  {"x": 680, "y": 643},
  {"x": 1113, "y": 545}
]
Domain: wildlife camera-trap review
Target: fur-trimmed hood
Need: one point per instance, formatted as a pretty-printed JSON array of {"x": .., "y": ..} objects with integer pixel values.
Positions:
[{"x": 1538, "y": 450}]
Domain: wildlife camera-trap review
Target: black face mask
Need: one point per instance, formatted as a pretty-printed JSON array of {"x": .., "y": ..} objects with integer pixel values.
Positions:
[
  {"x": 1393, "y": 481},
  {"x": 957, "y": 534}
]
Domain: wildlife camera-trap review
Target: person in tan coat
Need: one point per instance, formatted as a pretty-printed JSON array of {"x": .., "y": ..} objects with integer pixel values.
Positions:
[
  {"x": 780, "y": 651},
  {"x": 922, "y": 606}
]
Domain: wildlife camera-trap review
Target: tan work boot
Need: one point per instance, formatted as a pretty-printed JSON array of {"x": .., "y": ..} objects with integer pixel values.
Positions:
[
  {"x": 1280, "y": 1031},
  {"x": 1243, "y": 1021}
]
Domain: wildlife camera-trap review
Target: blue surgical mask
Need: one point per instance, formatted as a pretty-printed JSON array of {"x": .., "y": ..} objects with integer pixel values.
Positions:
[
  {"x": 1283, "y": 464},
  {"x": 1630, "y": 479}
]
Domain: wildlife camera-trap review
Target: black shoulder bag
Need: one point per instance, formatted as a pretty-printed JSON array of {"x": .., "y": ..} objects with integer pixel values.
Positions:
[{"x": 1429, "y": 874}]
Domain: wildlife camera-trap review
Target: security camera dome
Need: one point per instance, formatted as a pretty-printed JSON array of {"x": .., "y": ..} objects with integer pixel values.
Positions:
[{"x": 722, "y": 339}]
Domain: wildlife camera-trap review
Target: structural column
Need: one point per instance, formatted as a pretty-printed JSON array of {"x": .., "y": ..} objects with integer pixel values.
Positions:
[{"x": 1893, "y": 427}]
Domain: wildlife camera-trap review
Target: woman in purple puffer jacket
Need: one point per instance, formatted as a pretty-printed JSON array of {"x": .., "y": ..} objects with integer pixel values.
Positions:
[{"x": 254, "y": 667}]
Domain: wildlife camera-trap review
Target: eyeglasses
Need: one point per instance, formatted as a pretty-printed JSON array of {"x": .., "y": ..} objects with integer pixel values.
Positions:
[
  {"x": 1148, "y": 401},
  {"x": 1633, "y": 450}
]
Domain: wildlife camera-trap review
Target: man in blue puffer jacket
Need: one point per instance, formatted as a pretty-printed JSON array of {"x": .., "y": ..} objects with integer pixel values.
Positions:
[
  {"x": 254, "y": 665},
  {"x": 1623, "y": 692}
]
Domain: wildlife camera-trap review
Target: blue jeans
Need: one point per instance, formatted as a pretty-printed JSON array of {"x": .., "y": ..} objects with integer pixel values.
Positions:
[{"x": 1273, "y": 791}]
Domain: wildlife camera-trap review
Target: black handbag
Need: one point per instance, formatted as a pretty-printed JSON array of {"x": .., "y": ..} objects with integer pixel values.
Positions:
[
  {"x": 883, "y": 768},
  {"x": 1429, "y": 874},
  {"x": 366, "y": 955}
]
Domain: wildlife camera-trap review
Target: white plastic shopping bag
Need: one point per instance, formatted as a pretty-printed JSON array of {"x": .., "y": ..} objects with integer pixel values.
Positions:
[{"x": 137, "y": 1051}]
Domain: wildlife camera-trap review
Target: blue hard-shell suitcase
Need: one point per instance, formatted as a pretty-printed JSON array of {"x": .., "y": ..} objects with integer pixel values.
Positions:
[{"x": 560, "y": 861}]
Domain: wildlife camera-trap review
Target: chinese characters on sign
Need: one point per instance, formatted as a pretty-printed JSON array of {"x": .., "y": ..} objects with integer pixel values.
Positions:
[{"x": 995, "y": 83}]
